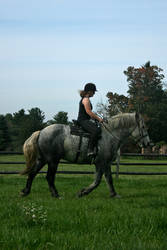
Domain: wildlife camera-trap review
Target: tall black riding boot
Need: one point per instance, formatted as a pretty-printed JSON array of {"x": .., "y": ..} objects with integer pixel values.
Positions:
[{"x": 91, "y": 148}]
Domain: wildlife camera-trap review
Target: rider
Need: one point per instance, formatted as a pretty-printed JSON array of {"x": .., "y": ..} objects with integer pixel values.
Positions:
[{"x": 85, "y": 115}]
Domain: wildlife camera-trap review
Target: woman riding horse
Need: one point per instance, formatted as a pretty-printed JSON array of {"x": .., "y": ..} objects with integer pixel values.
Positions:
[{"x": 85, "y": 115}]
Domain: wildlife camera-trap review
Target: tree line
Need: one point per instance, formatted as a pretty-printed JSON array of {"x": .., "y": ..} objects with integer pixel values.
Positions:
[
  {"x": 146, "y": 94},
  {"x": 16, "y": 128}
]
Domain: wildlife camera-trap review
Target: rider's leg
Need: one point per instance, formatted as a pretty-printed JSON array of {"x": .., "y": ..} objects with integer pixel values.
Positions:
[{"x": 94, "y": 131}]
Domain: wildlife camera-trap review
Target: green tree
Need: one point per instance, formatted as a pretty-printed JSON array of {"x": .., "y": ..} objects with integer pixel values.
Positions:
[
  {"x": 117, "y": 103},
  {"x": 25, "y": 124},
  {"x": 11, "y": 129},
  {"x": 60, "y": 118},
  {"x": 147, "y": 96},
  {"x": 4, "y": 134},
  {"x": 19, "y": 121},
  {"x": 145, "y": 87},
  {"x": 32, "y": 122},
  {"x": 36, "y": 119}
]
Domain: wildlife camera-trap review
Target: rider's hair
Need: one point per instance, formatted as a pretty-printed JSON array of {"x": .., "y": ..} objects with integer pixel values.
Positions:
[{"x": 82, "y": 93}]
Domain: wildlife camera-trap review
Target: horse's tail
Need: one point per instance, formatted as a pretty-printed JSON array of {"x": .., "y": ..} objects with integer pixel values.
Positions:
[{"x": 30, "y": 149}]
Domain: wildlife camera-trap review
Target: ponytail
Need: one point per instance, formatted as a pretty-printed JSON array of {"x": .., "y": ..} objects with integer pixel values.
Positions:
[{"x": 82, "y": 93}]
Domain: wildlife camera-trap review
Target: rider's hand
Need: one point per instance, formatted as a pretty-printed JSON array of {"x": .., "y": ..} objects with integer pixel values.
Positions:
[
  {"x": 105, "y": 120},
  {"x": 101, "y": 120}
]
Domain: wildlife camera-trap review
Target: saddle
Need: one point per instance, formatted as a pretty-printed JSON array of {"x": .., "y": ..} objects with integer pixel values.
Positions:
[{"x": 76, "y": 129}]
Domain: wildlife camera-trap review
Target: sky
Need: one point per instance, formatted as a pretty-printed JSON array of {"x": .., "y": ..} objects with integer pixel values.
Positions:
[{"x": 50, "y": 49}]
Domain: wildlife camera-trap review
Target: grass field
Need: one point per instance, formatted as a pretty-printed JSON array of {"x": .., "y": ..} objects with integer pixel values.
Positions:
[{"x": 136, "y": 221}]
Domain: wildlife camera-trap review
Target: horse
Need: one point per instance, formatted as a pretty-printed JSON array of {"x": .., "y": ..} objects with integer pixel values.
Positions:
[{"x": 56, "y": 142}]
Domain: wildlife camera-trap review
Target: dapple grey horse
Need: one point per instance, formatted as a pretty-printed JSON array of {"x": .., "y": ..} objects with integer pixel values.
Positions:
[{"x": 55, "y": 142}]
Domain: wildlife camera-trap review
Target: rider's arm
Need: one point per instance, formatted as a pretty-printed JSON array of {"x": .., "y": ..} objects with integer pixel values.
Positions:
[{"x": 87, "y": 106}]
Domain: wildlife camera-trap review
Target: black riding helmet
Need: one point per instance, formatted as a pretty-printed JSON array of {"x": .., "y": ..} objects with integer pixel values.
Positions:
[{"x": 90, "y": 87}]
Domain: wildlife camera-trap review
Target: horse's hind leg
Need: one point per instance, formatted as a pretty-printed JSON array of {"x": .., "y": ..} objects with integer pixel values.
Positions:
[
  {"x": 39, "y": 164},
  {"x": 95, "y": 184},
  {"x": 52, "y": 169}
]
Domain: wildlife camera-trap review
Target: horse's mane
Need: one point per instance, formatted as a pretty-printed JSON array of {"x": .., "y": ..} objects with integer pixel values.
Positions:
[{"x": 122, "y": 120}]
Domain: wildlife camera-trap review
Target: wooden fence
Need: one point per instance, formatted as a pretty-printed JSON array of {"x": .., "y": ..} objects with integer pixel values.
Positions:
[{"x": 91, "y": 172}]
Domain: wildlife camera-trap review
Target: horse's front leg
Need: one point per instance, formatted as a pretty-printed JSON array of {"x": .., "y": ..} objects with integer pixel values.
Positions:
[
  {"x": 109, "y": 180},
  {"x": 97, "y": 180}
]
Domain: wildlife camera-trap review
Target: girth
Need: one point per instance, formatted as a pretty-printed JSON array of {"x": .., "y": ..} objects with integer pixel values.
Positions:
[{"x": 77, "y": 130}]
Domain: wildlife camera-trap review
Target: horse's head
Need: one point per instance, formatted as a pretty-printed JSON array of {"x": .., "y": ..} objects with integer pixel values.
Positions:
[{"x": 140, "y": 134}]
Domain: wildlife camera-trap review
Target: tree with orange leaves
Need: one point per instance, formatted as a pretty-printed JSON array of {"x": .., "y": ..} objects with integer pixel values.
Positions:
[{"x": 147, "y": 96}]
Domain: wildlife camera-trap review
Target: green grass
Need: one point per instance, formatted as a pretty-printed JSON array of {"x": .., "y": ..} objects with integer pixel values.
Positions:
[{"x": 136, "y": 221}]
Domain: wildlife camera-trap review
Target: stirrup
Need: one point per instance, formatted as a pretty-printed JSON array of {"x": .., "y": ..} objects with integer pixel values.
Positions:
[{"x": 91, "y": 154}]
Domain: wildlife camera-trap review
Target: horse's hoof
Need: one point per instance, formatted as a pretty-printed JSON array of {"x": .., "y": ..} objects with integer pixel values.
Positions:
[
  {"x": 56, "y": 196},
  {"x": 79, "y": 195},
  {"x": 117, "y": 196},
  {"x": 23, "y": 194},
  {"x": 60, "y": 198}
]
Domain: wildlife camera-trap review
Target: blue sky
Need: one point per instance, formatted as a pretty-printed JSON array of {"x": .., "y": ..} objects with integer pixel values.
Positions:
[{"x": 50, "y": 49}]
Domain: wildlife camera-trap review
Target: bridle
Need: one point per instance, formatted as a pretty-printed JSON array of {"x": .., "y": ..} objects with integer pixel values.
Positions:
[{"x": 142, "y": 133}]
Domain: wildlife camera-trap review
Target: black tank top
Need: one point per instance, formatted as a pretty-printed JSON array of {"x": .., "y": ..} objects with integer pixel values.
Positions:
[{"x": 82, "y": 115}]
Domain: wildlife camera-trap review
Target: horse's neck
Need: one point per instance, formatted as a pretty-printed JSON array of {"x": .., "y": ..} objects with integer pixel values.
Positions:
[
  {"x": 121, "y": 133},
  {"x": 112, "y": 138}
]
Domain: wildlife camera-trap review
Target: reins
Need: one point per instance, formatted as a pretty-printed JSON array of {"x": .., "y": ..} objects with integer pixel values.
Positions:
[
  {"x": 104, "y": 124},
  {"x": 105, "y": 127}
]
